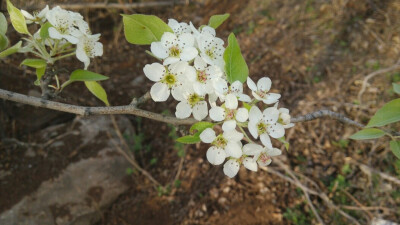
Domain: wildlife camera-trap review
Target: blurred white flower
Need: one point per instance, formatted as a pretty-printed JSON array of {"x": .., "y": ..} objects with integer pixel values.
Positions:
[
  {"x": 88, "y": 47},
  {"x": 37, "y": 17},
  {"x": 62, "y": 22},
  {"x": 261, "y": 154}
]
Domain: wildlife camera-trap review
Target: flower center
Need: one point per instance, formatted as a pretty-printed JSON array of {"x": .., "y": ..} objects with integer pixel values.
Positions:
[
  {"x": 261, "y": 128},
  {"x": 88, "y": 48},
  {"x": 169, "y": 79},
  {"x": 194, "y": 98},
  {"x": 210, "y": 53},
  {"x": 220, "y": 141},
  {"x": 230, "y": 114},
  {"x": 201, "y": 76},
  {"x": 261, "y": 94},
  {"x": 264, "y": 158},
  {"x": 174, "y": 51}
]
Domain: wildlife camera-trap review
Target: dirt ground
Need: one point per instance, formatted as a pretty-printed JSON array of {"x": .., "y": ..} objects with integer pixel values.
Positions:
[{"x": 317, "y": 54}]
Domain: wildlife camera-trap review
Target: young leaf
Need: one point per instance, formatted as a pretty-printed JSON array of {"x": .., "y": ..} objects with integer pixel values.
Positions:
[
  {"x": 85, "y": 75},
  {"x": 396, "y": 88},
  {"x": 39, "y": 74},
  {"x": 216, "y": 20},
  {"x": 17, "y": 19},
  {"x": 246, "y": 106},
  {"x": 395, "y": 148},
  {"x": 3, "y": 41},
  {"x": 11, "y": 50},
  {"x": 367, "y": 133},
  {"x": 3, "y": 24},
  {"x": 200, "y": 126},
  {"x": 44, "y": 30},
  {"x": 235, "y": 65},
  {"x": 97, "y": 90},
  {"x": 189, "y": 139},
  {"x": 389, "y": 113},
  {"x": 286, "y": 143},
  {"x": 144, "y": 29},
  {"x": 34, "y": 63}
]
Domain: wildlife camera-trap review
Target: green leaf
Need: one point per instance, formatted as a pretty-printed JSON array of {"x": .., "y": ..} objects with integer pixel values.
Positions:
[
  {"x": 85, "y": 75},
  {"x": 246, "y": 106},
  {"x": 39, "y": 74},
  {"x": 3, "y": 41},
  {"x": 396, "y": 88},
  {"x": 11, "y": 50},
  {"x": 200, "y": 126},
  {"x": 286, "y": 143},
  {"x": 367, "y": 133},
  {"x": 34, "y": 63},
  {"x": 17, "y": 19},
  {"x": 44, "y": 30},
  {"x": 144, "y": 29},
  {"x": 189, "y": 139},
  {"x": 97, "y": 90},
  {"x": 389, "y": 113},
  {"x": 395, "y": 147},
  {"x": 216, "y": 20},
  {"x": 3, "y": 24},
  {"x": 235, "y": 65}
]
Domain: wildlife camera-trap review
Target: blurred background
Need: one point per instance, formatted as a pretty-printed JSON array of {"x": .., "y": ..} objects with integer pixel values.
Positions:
[{"x": 57, "y": 168}]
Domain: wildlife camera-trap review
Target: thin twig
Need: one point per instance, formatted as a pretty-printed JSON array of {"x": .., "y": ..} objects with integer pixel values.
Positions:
[
  {"x": 369, "y": 171},
  {"x": 326, "y": 113},
  {"x": 101, "y": 5}
]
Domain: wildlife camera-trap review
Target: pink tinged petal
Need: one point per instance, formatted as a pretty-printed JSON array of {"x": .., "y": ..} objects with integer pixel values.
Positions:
[
  {"x": 264, "y": 84},
  {"x": 265, "y": 140},
  {"x": 276, "y": 130},
  {"x": 233, "y": 150},
  {"x": 273, "y": 152},
  {"x": 252, "y": 149},
  {"x": 231, "y": 168},
  {"x": 229, "y": 125},
  {"x": 242, "y": 115},
  {"x": 271, "y": 98},
  {"x": 255, "y": 114},
  {"x": 159, "y": 50},
  {"x": 244, "y": 98},
  {"x": 215, "y": 155},
  {"x": 217, "y": 113},
  {"x": 271, "y": 115},
  {"x": 208, "y": 135},
  {"x": 170, "y": 60},
  {"x": 53, "y": 33},
  {"x": 231, "y": 101},
  {"x": 189, "y": 53},
  {"x": 200, "y": 110},
  {"x": 199, "y": 63},
  {"x": 250, "y": 164},
  {"x": 265, "y": 162},
  {"x": 233, "y": 135},
  {"x": 288, "y": 125},
  {"x": 155, "y": 71},
  {"x": 183, "y": 110},
  {"x": 168, "y": 40},
  {"x": 251, "y": 84},
  {"x": 159, "y": 92},
  {"x": 253, "y": 128}
]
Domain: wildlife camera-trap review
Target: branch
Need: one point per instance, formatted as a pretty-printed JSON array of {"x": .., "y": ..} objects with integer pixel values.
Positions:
[{"x": 326, "y": 113}]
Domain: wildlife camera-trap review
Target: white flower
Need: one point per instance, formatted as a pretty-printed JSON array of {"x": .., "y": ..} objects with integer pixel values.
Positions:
[
  {"x": 37, "y": 17},
  {"x": 284, "y": 118},
  {"x": 63, "y": 22},
  {"x": 265, "y": 124},
  {"x": 261, "y": 154},
  {"x": 191, "y": 102},
  {"x": 205, "y": 76},
  {"x": 168, "y": 79},
  {"x": 260, "y": 91},
  {"x": 224, "y": 145},
  {"x": 88, "y": 47},
  {"x": 211, "y": 49},
  {"x": 231, "y": 168},
  {"x": 179, "y": 28},
  {"x": 236, "y": 88},
  {"x": 173, "y": 49}
]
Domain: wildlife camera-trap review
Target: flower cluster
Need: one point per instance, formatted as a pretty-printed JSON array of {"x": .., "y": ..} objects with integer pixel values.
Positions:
[
  {"x": 192, "y": 71},
  {"x": 65, "y": 29}
]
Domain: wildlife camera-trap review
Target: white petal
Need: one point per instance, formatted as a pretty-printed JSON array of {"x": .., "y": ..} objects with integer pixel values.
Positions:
[
  {"x": 252, "y": 149},
  {"x": 177, "y": 93},
  {"x": 159, "y": 92},
  {"x": 231, "y": 168},
  {"x": 183, "y": 110},
  {"x": 265, "y": 140},
  {"x": 283, "y": 110},
  {"x": 255, "y": 114},
  {"x": 229, "y": 125},
  {"x": 264, "y": 84},
  {"x": 190, "y": 73},
  {"x": 251, "y": 84},
  {"x": 288, "y": 125},
  {"x": 208, "y": 135},
  {"x": 233, "y": 135},
  {"x": 271, "y": 98},
  {"x": 159, "y": 50},
  {"x": 231, "y": 101},
  {"x": 199, "y": 63},
  {"x": 266, "y": 163},
  {"x": 154, "y": 71},
  {"x": 200, "y": 110},
  {"x": 98, "y": 49},
  {"x": 250, "y": 164},
  {"x": 217, "y": 113},
  {"x": 81, "y": 54},
  {"x": 208, "y": 30},
  {"x": 27, "y": 15},
  {"x": 212, "y": 98},
  {"x": 273, "y": 152},
  {"x": 242, "y": 115},
  {"x": 200, "y": 88},
  {"x": 221, "y": 86},
  {"x": 215, "y": 155},
  {"x": 173, "y": 24},
  {"x": 69, "y": 38},
  {"x": 170, "y": 60},
  {"x": 253, "y": 128},
  {"x": 168, "y": 40},
  {"x": 271, "y": 115},
  {"x": 276, "y": 130},
  {"x": 244, "y": 98},
  {"x": 186, "y": 40},
  {"x": 53, "y": 33},
  {"x": 237, "y": 87},
  {"x": 233, "y": 150},
  {"x": 188, "y": 54}
]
